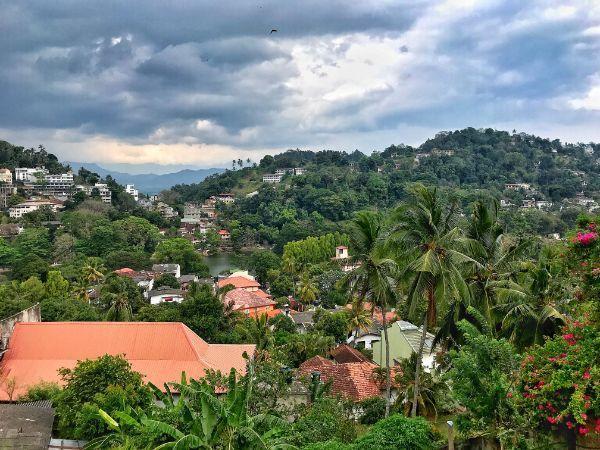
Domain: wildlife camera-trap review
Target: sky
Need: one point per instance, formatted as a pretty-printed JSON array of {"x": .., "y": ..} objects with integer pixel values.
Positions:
[{"x": 198, "y": 83}]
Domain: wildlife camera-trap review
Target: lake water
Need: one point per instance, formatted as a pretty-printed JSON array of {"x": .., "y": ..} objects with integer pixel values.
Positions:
[{"x": 219, "y": 262}]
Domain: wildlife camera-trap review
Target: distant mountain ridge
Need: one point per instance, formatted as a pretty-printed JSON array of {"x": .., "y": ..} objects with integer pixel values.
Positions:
[{"x": 150, "y": 183}]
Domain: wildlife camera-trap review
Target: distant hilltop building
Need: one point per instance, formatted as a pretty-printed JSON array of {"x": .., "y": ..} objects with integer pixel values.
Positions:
[
  {"x": 272, "y": 178},
  {"x": 17, "y": 211},
  {"x": 103, "y": 191},
  {"x": 517, "y": 186},
  {"x": 6, "y": 176},
  {"x": 31, "y": 175},
  {"x": 131, "y": 190}
]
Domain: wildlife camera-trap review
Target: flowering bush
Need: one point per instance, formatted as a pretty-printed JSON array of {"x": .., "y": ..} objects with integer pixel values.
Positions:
[
  {"x": 586, "y": 239},
  {"x": 560, "y": 381}
]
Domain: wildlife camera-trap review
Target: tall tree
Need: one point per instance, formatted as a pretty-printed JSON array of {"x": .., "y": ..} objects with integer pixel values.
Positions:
[
  {"x": 372, "y": 277},
  {"x": 433, "y": 252}
]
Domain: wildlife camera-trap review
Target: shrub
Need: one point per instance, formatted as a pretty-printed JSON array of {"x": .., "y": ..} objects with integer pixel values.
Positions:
[
  {"x": 42, "y": 391},
  {"x": 397, "y": 432},
  {"x": 325, "y": 420},
  {"x": 108, "y": 383},
  {"x": 328, "y": 445},
  {"x": 372, "y": 410},
  {"x": 559, "y": 382}
]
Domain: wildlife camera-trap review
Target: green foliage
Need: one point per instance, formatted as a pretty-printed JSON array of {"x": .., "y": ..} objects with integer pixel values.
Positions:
[
  {"x": 260, "y": 262},
  {"x": 314, "y": 250},
  {"x": 397, "y": 432},
  {"x": 104, "y": 383},
  {"x": 372, "y": 410},
  {"x": 482, "y": 373},
  {"x": 181, "y": 251},
  {"x": 41, "y": 391},
  {"x": 334, "y": 324},
  {"x": 326, "y": 419},
  {"x": 166, "y": 279}
]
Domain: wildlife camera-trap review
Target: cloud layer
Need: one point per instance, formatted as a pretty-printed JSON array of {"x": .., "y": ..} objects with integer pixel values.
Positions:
[{"x": 199, "y": 82}]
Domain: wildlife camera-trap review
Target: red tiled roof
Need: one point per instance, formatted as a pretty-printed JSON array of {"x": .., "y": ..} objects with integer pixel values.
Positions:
[
  {"x": 244, "y": 300},
  {"x": 354, "y": 381},
  {"x": 262, "y": 294},
  {"x": 345, "y": 354},
  {"x": 238, "y": 282},
  {"x": 269, "y": 314},
  {"x": 125, "y": 271},
  {"x": 158, "y": 350},
  {"x": 223, "y": 232}
]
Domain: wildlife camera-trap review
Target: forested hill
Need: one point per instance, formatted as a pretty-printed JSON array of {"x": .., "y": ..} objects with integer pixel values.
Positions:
[
  {"x": 12, "y": 156},
  {"x": 338, "y": 183}
]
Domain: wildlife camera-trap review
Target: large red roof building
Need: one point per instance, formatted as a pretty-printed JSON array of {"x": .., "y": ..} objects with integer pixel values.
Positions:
[
  {"x": 353, "y": 380},
  {"x": 160, "y": 351}
]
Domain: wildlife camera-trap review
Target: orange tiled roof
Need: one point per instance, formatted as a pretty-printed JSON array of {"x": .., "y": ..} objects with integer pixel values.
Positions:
[
  {"x": 125, "y": 271},
  {"x": 238, "y": 282},
  {"x": 244, "y": 300},
  {"x": 354, "y": 380},
  {"x": 158, "y": 350}
]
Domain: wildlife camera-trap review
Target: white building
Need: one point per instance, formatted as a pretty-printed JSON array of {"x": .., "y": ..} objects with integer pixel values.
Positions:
[
  {"x": 56, "y": 185},
  {"x": 27, "y": 174},
  {"x": 131, "y": 190},
  {"x": 5, "y": 176},
  {"x": 543, "y": 204},
  {"x": 17, "y": 211},
  {"x": 225, "y": 198},
  {"x": 102, "y": 188},
  {"x": 272, "y": 178},
  {"x": 299, "y": 171},
  {"x": 165, "y": 294},
  {"x": 517, "y": 186}
]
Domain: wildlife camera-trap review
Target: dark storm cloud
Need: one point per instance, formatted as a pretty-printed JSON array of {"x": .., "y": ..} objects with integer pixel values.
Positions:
[{"x": 210, "y": 72}]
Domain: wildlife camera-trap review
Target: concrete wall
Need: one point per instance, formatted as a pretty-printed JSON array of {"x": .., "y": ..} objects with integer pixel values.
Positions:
[{"x": 31, "y": 314}]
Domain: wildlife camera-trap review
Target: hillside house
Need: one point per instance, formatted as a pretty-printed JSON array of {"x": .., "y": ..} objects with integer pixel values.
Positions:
[
  {"x": 528, "y": 203},
  {"x": 224, "y": 235},
  {"x": 101, "y": 188},
  {"x": 238, "y": 281},
  {"x": 225, "y": 198},
  {"x": 517, "y": 186},
  {"x": 131, "y": 190},
  {"x": 160, "y": 351},
  {"x": 6, "y": 176},
  {"x": 272, "y": 178},
  {"x": 166, "y": 294},
  {"x": 17, "y": 211},
  {"x": 161, "y": 269},
  {"x": 29, "y": 175},
  {"x": 404, "y": 341},
  {"x": 252, "y": 304}
]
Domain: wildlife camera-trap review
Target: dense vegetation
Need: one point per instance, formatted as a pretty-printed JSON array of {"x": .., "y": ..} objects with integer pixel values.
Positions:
[{"x": 516, "y": 315}]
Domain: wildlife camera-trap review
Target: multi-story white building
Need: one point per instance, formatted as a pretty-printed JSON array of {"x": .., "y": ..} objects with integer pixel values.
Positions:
[
  {"x": 103, "y": 190},
  {"x": 56, "y": 185},
  {"x": 517, "y": 186},
  {"x": 30, "y": 175},
  {"x": 17, "y": 211},
  {"x": 272, "y": 178},
  {"x": 131, "y": 190},
  {"x": 5, "y": 176}
]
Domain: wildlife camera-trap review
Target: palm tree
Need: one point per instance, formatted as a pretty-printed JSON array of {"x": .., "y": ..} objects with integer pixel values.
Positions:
[
  {"x": 494, "y": 279},
  {"x": 120, "y": 308},
  {"x": 257, "y": 331},
  {"x": 81, "y": 290},
  {"x": 433, "y": 252},
  {"x": 358, "y": 318},
  {"x": 372, "y": 278},
  {"x": 92, "y": 272},
  {"x": 307, "y": 289},
  {"x": 527, "y": 319},
  {"x": 290, "y": 266}
]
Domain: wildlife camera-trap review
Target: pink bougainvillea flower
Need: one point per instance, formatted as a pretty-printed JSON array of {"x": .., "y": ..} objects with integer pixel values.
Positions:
[
  {"x": 586, "y": 375},
  {"x": 570, "y": 425},
  {"x": 583, "y": 431}
]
